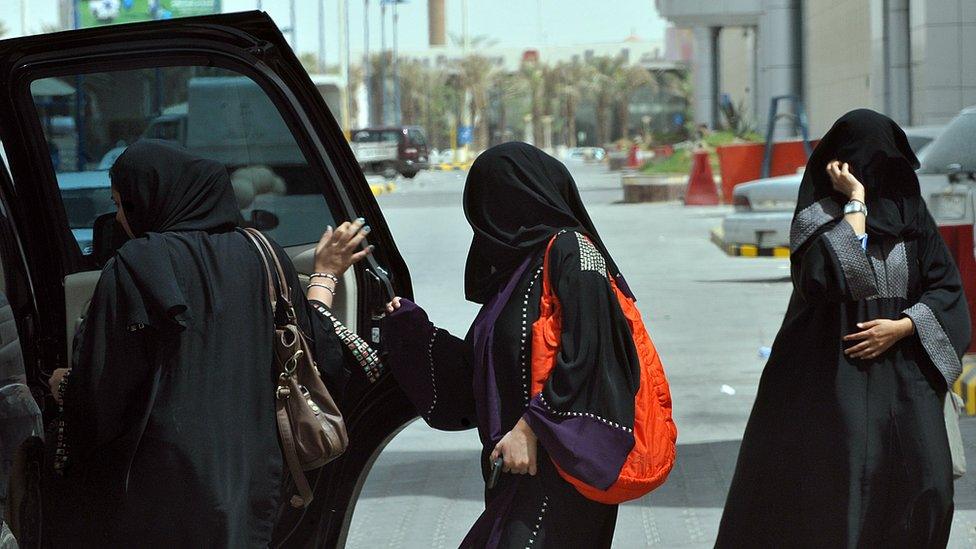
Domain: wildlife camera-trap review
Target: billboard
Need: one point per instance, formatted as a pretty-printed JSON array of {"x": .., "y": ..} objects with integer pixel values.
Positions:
[{"x": 93, "y": 13}]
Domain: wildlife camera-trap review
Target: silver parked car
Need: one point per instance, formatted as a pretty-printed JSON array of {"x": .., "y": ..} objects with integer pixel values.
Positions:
[{"x": 764, "y": 208}]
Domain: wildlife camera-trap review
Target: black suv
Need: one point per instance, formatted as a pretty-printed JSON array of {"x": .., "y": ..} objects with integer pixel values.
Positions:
[{"x": 73, "y": 98}]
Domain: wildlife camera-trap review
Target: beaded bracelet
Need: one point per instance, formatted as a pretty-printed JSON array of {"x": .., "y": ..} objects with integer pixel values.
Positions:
[
  {"x": 330, "y": 276},
  {"x": 316, "y": 285}
]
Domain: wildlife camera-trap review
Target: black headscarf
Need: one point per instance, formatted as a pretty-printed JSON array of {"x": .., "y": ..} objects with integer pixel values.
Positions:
[
  {"x": 880, "y": 157},
  {"x": 516, "y": 198},
  {"x": 164, "y": 188}
]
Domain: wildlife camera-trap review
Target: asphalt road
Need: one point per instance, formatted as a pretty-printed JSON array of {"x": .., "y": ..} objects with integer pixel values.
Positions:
[{"x": 708, "y": 314}]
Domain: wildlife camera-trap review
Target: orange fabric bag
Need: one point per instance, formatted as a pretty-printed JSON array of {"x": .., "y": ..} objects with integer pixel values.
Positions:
[{"x": 652, "y": 457}]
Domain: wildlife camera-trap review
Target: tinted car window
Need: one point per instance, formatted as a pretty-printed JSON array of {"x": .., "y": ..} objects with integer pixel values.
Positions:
[
  {"x": 417, "y": 138},
  {"x": 213, "y": 113},
  {"x": 953, "y": 146}
]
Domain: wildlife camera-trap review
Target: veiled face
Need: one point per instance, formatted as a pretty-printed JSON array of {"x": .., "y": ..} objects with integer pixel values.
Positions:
[{"x": 120, "y": 213}]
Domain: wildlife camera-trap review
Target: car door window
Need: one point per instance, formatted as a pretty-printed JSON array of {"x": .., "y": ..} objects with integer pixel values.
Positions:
[{"x": 89, "y": 120}]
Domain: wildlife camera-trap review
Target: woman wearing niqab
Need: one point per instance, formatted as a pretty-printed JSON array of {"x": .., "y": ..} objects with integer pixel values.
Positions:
[
  {"x": 516, "y": 199},
  {"x": 169, "y": 436},
  {"x": 846, "y": 444}
]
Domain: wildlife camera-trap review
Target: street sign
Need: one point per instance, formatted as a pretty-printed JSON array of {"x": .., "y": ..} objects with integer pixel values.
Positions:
[
  {"x": 94, "y": 13},
  {"x": 465, "y": 135}
]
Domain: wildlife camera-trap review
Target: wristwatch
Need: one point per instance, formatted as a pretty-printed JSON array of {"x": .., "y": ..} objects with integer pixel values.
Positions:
[{"x": 855, "y": 206}]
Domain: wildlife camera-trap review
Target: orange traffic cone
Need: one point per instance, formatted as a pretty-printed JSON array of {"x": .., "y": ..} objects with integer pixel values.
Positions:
[
  {"x": 701, "y": 185},
  {"x": 632, "y": 161}
]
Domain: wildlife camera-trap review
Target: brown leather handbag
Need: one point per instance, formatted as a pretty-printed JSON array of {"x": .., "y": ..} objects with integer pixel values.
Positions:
[{"x": 310, "y": 425}]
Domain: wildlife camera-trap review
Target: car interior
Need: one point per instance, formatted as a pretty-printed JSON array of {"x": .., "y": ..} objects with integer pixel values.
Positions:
[{"x": 223, "y": 116}]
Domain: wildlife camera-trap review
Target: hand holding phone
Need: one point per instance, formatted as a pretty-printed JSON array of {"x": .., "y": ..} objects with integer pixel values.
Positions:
[{"x": 496, "y": 472}]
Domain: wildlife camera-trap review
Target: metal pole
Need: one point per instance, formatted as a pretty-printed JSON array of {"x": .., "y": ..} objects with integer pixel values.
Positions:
[
  {"x": 464, "y": 26},
  {"x": 383, "y": 61},
  {"x": 396, "y": 65},
  {"x": 321, "y": 62},
  {"x": 23, "y": 17},
  {"x": 294, "y": 33},
  {"x": 79, "y": 104},
  {"x": 343, "y": 6},
  {"x": 366, "y": 68},
  {"x": 260, "y": 6}
]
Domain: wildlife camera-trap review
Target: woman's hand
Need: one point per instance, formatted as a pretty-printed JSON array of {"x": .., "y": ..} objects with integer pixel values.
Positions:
[
  {"x": 844, "y": 181},
  {"x": 338, "y": 249},
  {"x": 878, "y": 336},
  {"x": 518, "y": 450},
  {"x": 393, "y": 305},
  {"x": 55, "y": 381}
]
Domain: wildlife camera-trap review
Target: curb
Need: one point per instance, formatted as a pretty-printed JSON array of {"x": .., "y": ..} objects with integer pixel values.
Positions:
[
  {"x": 451, "y": 166},
  {"x": 747, "y": 250},
  {"x": 965, "y": 386},
  {"x": 382, "y": 188}
]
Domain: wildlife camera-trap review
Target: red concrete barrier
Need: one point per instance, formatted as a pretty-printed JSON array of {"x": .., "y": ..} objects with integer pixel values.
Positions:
[
  {"x": 742, "y": 162},
  {"x": 959, "y": 239},
  {"x": 701, "y": 184}
]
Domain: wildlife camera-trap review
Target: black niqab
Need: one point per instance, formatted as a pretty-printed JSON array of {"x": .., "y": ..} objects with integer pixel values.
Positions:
[
  {"x": 882, "y": 159},
  {"x": 164, "y": 188},
  {"x": 516, "y": 197}
]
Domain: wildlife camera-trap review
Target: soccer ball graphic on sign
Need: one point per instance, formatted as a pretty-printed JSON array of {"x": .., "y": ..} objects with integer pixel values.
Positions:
[{"x": 105, "y": 11}]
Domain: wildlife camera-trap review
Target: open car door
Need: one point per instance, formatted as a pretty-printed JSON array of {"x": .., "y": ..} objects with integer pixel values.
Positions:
[{"x": 229, "y": 88}]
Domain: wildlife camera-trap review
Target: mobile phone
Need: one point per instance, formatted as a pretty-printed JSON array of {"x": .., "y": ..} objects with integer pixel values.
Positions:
[{"x": 496, "y": 471}]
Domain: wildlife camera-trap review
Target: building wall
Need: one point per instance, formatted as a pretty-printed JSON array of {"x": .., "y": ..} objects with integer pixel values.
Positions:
[
  {"x": 837, "y": 59},
  {"x": 943, "y": 58},
  {"x": 737, "y": 55}
]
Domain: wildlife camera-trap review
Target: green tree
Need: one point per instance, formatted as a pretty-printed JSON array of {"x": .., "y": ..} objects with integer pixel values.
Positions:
[
  {"x": 604, "y": 74},
  {"x": 476, "y": 74},
  {"x": 573, "y": 86},
  {"x": 532, "y": 75},
  {"x": 626, "y": 81}
]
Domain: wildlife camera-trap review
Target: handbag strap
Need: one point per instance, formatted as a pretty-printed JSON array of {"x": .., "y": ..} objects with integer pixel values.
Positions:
[
  {"x": 272, "y": 291},
  {"x": 282, "y": 290},
  {"x": 290, "y": 451},
  {"x": 546, "y": 284}
]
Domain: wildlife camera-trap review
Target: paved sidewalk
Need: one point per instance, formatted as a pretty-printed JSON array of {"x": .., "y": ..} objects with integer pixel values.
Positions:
[{"x": 708, "y": 314}]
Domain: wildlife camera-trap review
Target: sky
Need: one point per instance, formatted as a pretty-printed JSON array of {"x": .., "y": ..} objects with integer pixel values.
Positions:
[{"x": 521, "y": 23}]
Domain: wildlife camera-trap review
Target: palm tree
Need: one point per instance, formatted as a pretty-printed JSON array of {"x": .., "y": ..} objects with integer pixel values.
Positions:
[
  {"x": 605, "y": 69},
  {"x": 352, "y": 86},
  {"x": 413, "y": 87},
  {"x": 573, "y": 85},
  {"x": 505, "y": 86},
  {"x": 626, "y": 81},
  {"x": 378, "y": 61},
  {"x": 475, "y": 72},
  {"x": 533, "y": 79}
]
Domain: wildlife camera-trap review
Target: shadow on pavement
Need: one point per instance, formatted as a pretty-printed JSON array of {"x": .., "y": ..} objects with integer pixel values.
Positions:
[{"x": 700, "y": 478}]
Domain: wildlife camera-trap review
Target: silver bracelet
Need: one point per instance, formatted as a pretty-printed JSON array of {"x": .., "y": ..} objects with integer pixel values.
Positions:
[
  {"x": 330, "y": 276},
  {"x": 317, "y": 285}
]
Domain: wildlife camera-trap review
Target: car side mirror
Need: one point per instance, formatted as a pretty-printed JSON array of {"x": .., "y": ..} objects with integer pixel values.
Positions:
[
  {"x": 263, "y": 220},
  {"x": 107, "y": 238}
]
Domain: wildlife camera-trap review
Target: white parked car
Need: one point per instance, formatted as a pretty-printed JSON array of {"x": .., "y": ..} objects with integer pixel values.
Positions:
[{"x": 764, "y": 207}]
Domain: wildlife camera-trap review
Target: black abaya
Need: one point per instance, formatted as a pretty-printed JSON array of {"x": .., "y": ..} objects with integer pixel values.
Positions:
[
  {"x": 846, "y": 452},
  {"x": 169, "y": 408}
]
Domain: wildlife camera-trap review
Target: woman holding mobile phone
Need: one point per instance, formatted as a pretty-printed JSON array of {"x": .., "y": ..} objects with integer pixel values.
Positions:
[{"x": 521, "y": 202}]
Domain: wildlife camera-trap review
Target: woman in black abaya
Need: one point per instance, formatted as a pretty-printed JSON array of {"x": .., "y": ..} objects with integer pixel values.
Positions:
[
  {"x": 168, "y": 436},
  {"x": 517, "y": 198},
  {"x": 846, "y": 445}
]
